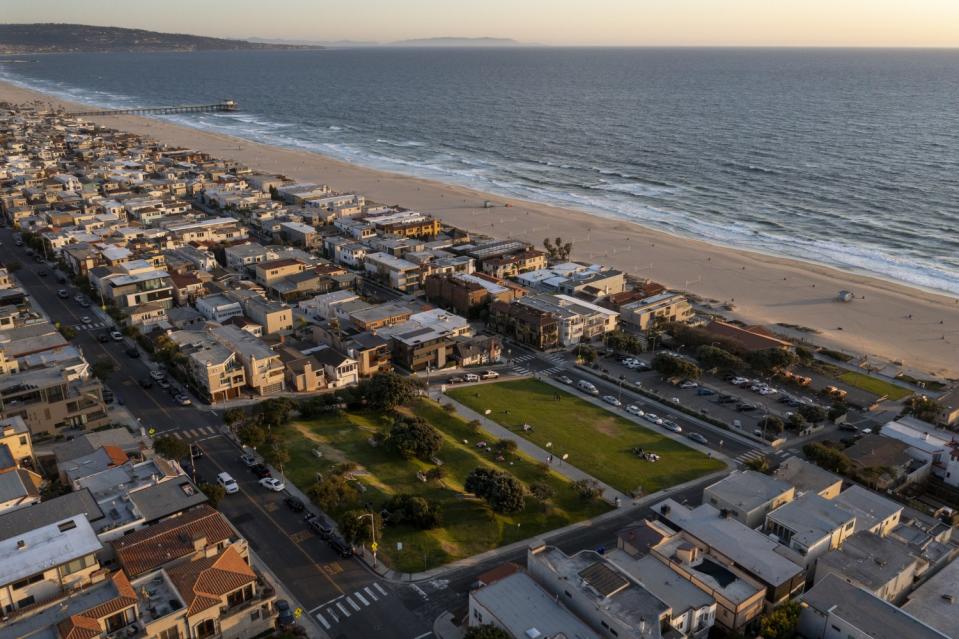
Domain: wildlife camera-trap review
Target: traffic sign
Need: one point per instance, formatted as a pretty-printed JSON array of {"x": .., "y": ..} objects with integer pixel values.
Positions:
[
  {"x": 152, "y": 432},
  {"x": 374, "y": 546},
  {"x": 298, "y": 613}
]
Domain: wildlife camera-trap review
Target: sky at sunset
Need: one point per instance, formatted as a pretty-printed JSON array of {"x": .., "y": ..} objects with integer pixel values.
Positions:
[{"x": 895, "y": 23}]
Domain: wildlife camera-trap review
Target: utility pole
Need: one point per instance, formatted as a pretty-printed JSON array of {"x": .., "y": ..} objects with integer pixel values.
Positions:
[{"x": 373, "y": 546}]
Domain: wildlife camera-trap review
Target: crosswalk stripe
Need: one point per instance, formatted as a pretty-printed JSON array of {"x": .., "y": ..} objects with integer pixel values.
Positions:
[
  {"x": 322, "y": 620},
  {"x": 361, "y": 598},
  {"x": 342, "y": 609},
  {"x": 380, "y": 588},
  {"x": 332, "y": 615},
  {"x": 370, "y": 593},
  {"x": 177, "y": 435},
  {"x": 353, "y": 604}
]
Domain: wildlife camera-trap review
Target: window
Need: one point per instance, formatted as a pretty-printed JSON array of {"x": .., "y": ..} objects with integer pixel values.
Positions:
[
  {"x": 170, "y": 633},
  {"x": 205, "y": 629},
  {"x": 255, "y": 615},
  {"x": 119, "y": 620},
  {"x": 26, "y": 601},
  {"x": 23, "y": 440},
  {"x": 23, "y": 583},
  {"x": 76, "y": 565},
  {"x": 239, "y": 596},
  {"x": 566, "y": 592}
]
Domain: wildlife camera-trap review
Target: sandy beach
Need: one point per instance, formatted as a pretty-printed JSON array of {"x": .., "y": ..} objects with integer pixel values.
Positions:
[{"x": 886, "y": 320}]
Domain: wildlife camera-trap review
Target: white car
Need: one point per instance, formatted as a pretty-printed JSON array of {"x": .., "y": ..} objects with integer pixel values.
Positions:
[
  {"x": 635, "y": 410},
  {"x": 117, "y": 336},
  {"x": 563, "y": 379},
  {"x": 157, "y": 374},
  {"x": 688, "y": 384},
  {"x": 86, "y": 320},
  {"x": 272, "y": 483},
  {"x": 248, "y": 460},
  {"x": 472, "y": 377},
  {"x": 609, "y": 399},
  {"x": 654, "y": 418},
  {"x": 229, "y": 484},
  {"x": 673, "y": 426},
  {"x": 489, "y": 375},
  {"x": 768, "y": 391}
]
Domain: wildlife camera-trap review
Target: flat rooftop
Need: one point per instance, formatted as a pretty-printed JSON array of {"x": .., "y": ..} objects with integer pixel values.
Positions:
[
  {"x": 936, "y": 602},
  {"x": 811, "y": 518},
  {"x": 747, "y": 489},
  {"x": 867, "y": 559},
  {"x": 46, "y": 547},
  {"x": 520, "y": 604},
  {"x": 868, "y": 507},
  {"x": 659, "y": 579},
  {"x": 708, "y": 570},
  {"x": 804, "y": 476}
]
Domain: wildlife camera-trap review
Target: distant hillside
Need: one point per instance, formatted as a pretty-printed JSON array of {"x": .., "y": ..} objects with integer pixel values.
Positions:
[
  {"x": 460, "y": 42},
  {"x": 59, "y": 38}
]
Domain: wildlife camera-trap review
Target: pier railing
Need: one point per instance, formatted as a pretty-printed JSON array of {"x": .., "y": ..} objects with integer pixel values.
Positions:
[{"x": 223, "y": 105}]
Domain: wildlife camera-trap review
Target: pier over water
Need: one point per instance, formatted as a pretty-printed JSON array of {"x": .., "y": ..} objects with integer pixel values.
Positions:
[{"x": 223, "y": 105}]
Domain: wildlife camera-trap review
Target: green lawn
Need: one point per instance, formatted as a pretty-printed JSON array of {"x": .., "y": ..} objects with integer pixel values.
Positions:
[
  {"x": 875, "y": 385},
  {"x": 469, "y": 526},
  {"x": 598, "y": 441}
]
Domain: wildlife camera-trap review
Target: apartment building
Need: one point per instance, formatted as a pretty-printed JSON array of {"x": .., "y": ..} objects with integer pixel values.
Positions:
[
  {"x": 274, "y": 317},
  {"x": 527, "y": 325},
  {"x": 806, "y": 477},
  {"x": 395, "y": 272},
  {"x": 264, "y": 368},
  {"x": 218, "y": 307},
  {"x": 48, "y": 400},
  {"x": 303, "y": 373},
  {"x": 466, "y": 294},
  {"x": 215, "y": 369},
  {"x": 748, "y": 496},
  {"x": 577, "y": 321},
  {"x": 406, "y": 224},
  {"x": 46, "y": 562},
  {"x": 16, "y": 445},
  {"x": 208, "y": 231},
  {"x": 644, "y": 314},
  {"x": 240, "y": 257},
  {"x": 267, "y": 273},
  {"x": 881, "y": 565},
  {"x": 810, "y": 525},
  {"x": 133, "y": 283},
  {"x": 513, "y": 265}
]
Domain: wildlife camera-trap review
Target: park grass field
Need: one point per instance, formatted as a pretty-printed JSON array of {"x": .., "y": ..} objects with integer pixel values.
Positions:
[
  {"x": 875, "y": 385},
  {"x": 469, "y": 526},
  {"x": 598, "y": 441}
]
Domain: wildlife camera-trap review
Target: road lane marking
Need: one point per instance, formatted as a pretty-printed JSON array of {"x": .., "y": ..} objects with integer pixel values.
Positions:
[
  {"x": 380, "y": 588},
  {"x": 361, "y": 598},
  {"x": 300, "y": 537},
  {"x": 319, "y": 617},
  {"x": 342, "y": 608},
  {"x": 326, "y": 603},
  {"x": 424, "y": 635},
  {"x": 370, "y": 594}
]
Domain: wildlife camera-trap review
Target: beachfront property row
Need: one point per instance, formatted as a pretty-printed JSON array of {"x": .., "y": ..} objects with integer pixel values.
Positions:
[
  {"x": 240, "y": 271},
  {"x": 861, "y": 566}
]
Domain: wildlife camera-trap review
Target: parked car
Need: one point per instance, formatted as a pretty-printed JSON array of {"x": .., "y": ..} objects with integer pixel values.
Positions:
[
  {"x": 743, "y": 407},
  {"x": 248, "y": 460},
  {"x": 84, "y": 304},
  {"x": 133, "y": 352},
  {"x": 609, "y": 399},
  {"x": 261, "y": 471},
  {"x": 688, "y": 384},
  {"x": 77, "y": 298},
  {"x": 295, "y": 504},
  {"x": 702, "y": 390},
  {"x": 229, "y": 484},
  {"x": 457, "y": 380},
  {"x": 342, "y": 547},
  {"x": 273, "y": 484},
  {"x": 183, "y": 400},
  {"x": 162, "y": 383},
  {"x": 157, "y": 374},
  {"x": 669, "y": 424},
  {"x": 489, "y": 375},
  {"x": 634, "y": 409},
  {"x": 146, "y": 382},
  {"x": 587, "y": 387},
  {"x": 103, "y": 338},
  {"x": 195, "y": 451},
  {"x": 563, "y": 379},
  {"x": 86, "y": 320},
  {"x": 654, "y": 418},
  {"x": 320, "y": 525},
  {"x": 117, "y": 336},
  {"x": 699, "y": 439},
  {"x": 62, "y": 294},
  {"x": 472, "y": 377}
]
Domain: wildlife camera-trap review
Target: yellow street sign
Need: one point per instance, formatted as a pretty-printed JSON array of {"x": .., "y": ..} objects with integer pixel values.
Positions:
[
  {"x": 152, "y": 432},
  {"x": 298, "y": 613},
  {"x": 374, "y": 546}
]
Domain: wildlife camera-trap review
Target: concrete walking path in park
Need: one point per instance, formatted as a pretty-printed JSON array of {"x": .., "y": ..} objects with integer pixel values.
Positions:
[{"x": 558, "y": 466}]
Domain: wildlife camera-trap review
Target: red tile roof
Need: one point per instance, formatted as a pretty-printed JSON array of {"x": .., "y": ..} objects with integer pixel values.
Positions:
[
  {"x": 172, "y": 539},
  {"x": 86, "y": 624},
  {"x": 203, "y": 583},
  {"x": 751, "y": 338}
]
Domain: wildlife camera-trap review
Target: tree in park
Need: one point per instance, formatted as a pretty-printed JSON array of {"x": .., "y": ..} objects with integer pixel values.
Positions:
[
  {"x": 541, "y": 491},
  {"x": 252, "y": 436},
  {"x": 587, "y": 489},
  {"x": 772, "y": 424},
  {"x": 669, "y": 366},
  {"x": 214, "y": 493},
  {"x": 170, "y": 447},
  {"x": 414, "y": 511},
  {"x": 332, "y": 493},
  {"x": 771, "y": 359},
  {"x": 273, "y": 412},
  {"x": 812, "y": 413},
  {"x": 504, "y": 493},
  {"x": 386, "y": 391},
  {"x": 485, "y": 632},
  {"x": 274, "y": 452},
  {"x": 414, "y": 437},
  {"x": 233, "y": 416},
  {"x": 921, "y": 407},
  {"x": 796, "y": 422},
  {"x": 355, "y": 527}
]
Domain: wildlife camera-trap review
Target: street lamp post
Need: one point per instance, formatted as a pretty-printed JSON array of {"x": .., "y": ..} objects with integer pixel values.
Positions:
[
  {"x": 373, "y": 546},
  {"x": 622, "y": 378}
]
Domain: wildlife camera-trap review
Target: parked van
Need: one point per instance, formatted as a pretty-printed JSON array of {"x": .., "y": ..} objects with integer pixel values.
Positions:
[
  {"x": 229, "y": 484},
  {"x": 587, "y": 387},
  {"x": 472, "y": 377}
]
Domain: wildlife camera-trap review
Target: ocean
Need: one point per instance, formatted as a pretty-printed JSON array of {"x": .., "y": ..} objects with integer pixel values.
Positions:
[{"x": 848, "y": 158}]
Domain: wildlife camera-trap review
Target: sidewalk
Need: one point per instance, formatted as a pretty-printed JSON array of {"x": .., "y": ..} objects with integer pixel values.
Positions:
[{"x": 560, "y": 467}]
